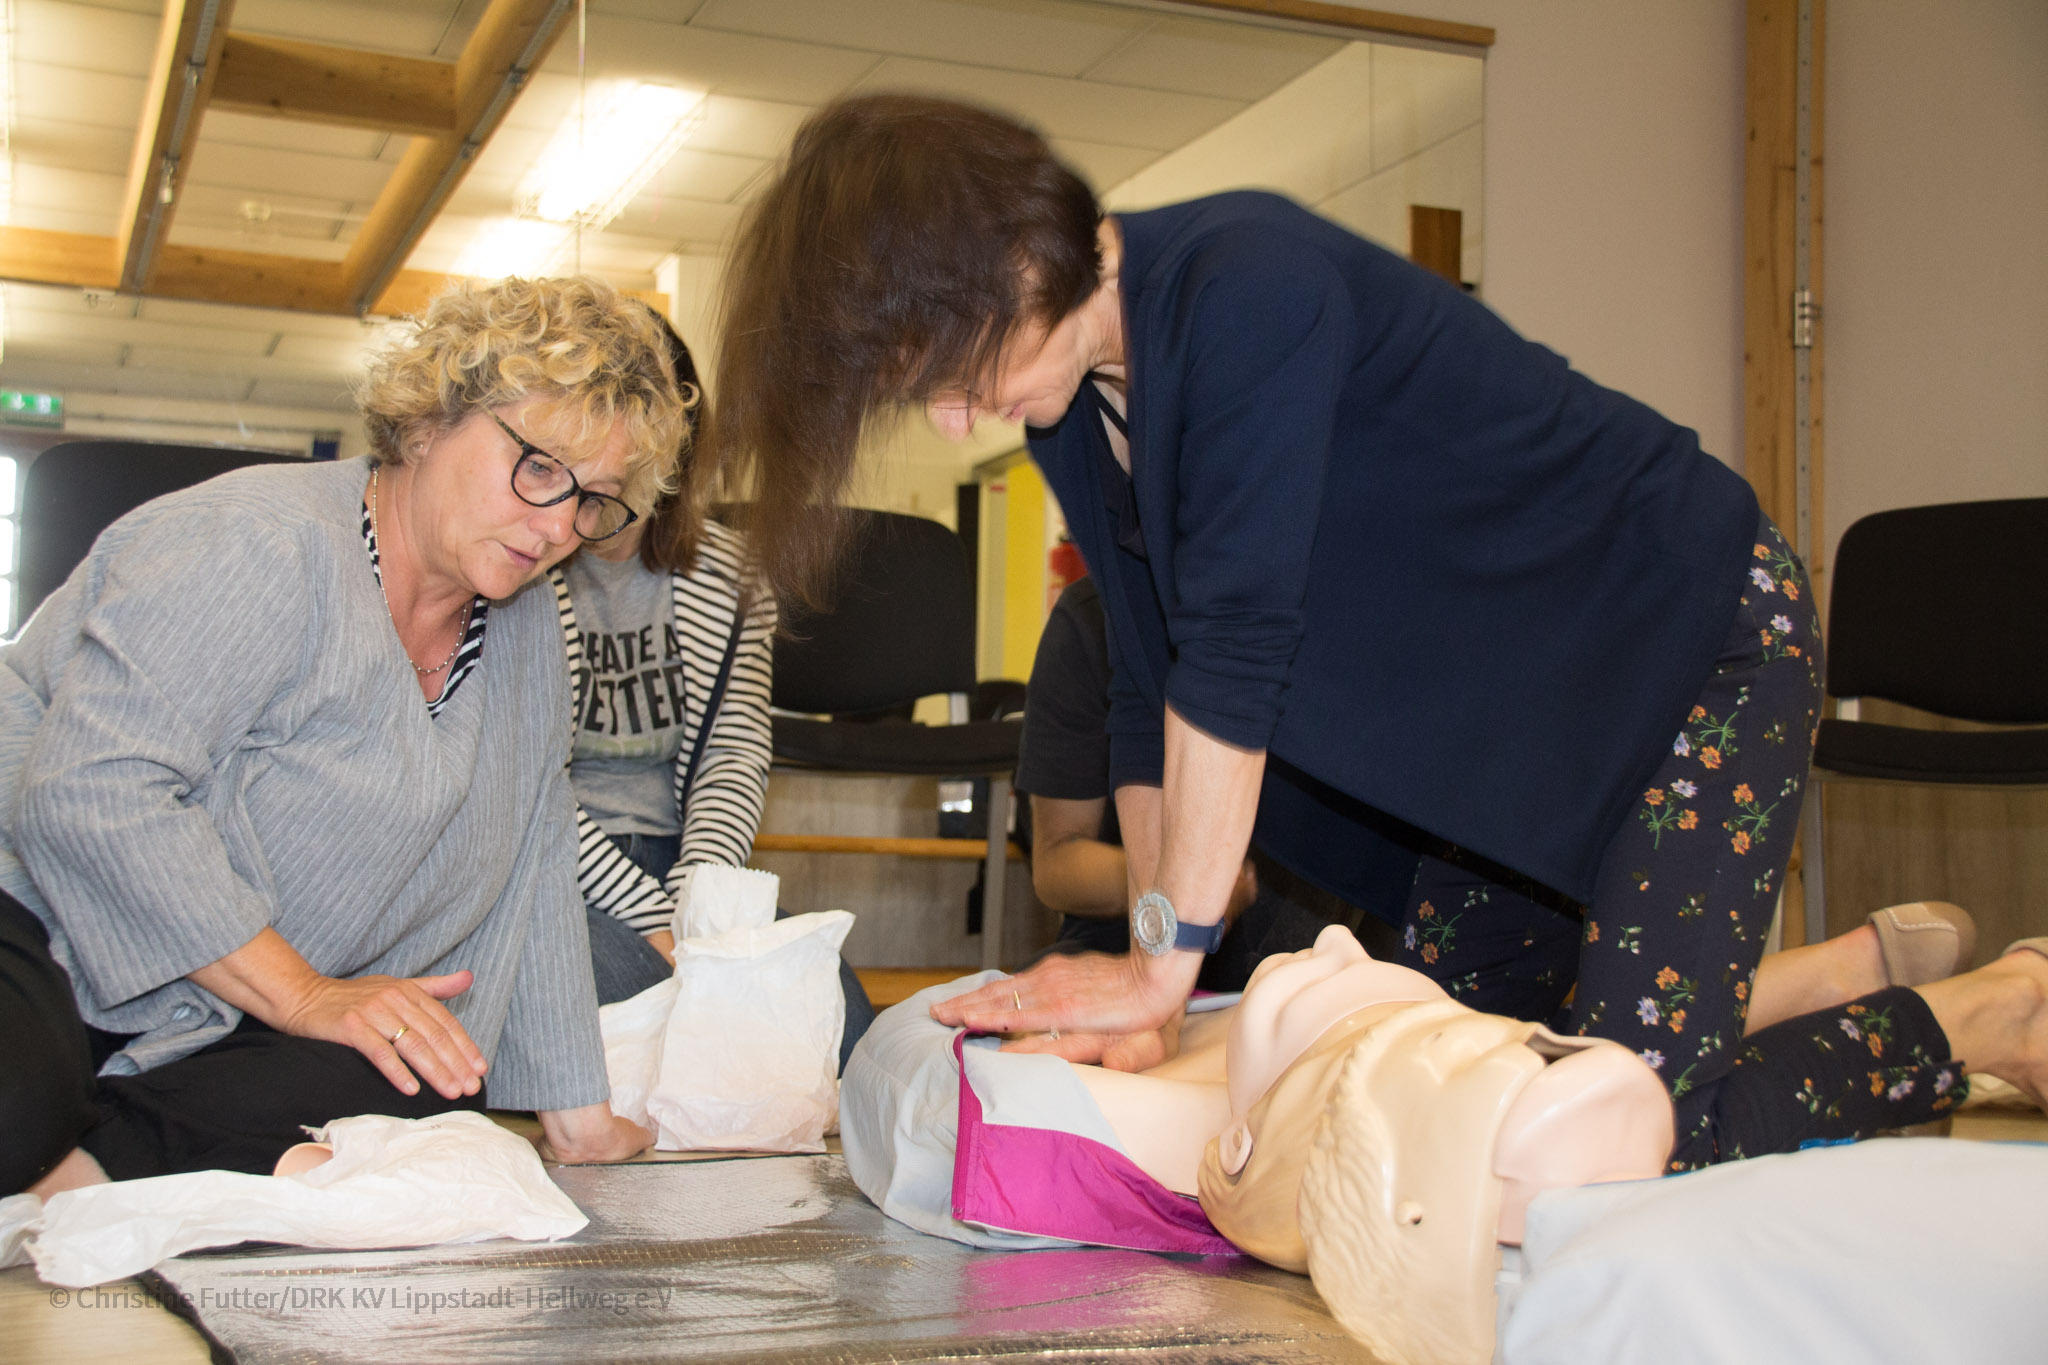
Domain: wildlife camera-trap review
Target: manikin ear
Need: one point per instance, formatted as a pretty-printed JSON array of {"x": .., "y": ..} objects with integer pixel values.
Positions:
[{"x": 1595, "y": 1113}]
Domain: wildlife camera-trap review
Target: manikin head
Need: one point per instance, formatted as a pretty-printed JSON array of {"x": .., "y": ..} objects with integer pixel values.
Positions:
[{"x": 1385, "y": 1138}]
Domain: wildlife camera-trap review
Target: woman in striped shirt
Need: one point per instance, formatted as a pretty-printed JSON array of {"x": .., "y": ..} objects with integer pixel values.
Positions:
[{"x": 670, "y": 660}]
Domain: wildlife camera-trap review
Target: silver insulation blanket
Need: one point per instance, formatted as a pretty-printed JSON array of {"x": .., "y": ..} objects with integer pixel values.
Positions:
[{"x": 777, "y": 1259}]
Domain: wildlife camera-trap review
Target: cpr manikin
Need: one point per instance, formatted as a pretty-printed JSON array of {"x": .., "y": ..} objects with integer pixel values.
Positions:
[{"x": 1350, "y": 1120}]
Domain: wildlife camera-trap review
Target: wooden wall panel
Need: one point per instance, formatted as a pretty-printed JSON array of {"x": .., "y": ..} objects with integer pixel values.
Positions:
[
  {"x": 908, "y": 912},
  {"x": 1985, "y": 848}
]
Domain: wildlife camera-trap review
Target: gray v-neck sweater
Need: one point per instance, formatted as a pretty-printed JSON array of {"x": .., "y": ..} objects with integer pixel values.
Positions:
[{"x": 211, "y": 727}]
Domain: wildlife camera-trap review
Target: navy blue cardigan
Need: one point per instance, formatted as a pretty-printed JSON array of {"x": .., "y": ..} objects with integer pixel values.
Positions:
[{"x": 1431, "y": 569}]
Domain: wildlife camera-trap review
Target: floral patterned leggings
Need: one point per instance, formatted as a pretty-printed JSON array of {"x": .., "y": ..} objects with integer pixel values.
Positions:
[{"x": 1663, "y": 959}]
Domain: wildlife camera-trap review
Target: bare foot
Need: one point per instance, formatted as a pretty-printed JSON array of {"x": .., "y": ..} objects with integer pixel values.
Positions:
[
  {"x": 74, "y": 1172},
  {"x": 1817, "y": 977},
  {"x": 1996, "y": 1019}
]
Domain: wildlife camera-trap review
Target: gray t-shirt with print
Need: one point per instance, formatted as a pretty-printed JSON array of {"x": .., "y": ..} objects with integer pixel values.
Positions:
[{"x": 629, "y": 727}]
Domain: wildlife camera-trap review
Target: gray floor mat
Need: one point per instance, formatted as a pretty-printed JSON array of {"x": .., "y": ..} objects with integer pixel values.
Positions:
[{"x": 757, "y": 1260}]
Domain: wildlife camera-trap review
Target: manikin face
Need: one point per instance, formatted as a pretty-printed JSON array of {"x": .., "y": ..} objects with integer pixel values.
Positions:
[
  {"x": 1403, "y": 1135},
  {"x": 469, "y": 527},
  {"x": 1293, "y": 997}
]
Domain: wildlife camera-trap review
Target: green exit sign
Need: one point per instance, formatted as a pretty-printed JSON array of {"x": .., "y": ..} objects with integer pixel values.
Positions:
[{"x": 20, "y": 408}]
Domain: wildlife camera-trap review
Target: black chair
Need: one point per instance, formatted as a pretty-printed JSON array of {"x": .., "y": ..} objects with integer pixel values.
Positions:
[
  {"x": 74, "y": 491},
  {"x": 901, "y": 627},
  {"x": 1944, "y": 609}
]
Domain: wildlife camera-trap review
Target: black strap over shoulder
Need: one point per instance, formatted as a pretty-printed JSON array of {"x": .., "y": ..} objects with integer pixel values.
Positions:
[{"x": 732, "y": 649}]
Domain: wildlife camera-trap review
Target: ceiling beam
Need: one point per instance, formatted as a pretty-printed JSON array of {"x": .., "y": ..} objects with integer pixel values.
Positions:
[
  {"x": 181, "y": 77},
  {"x": 278, "y": 78},
  {"x": 247, "y": 279},
  {"x": 511, "y": 39}
]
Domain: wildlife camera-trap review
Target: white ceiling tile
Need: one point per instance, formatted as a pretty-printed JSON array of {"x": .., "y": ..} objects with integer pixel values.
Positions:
[
  {"x": 743, "y": 127},
  {"x": 95, "y": 97},
  {"x": 717, "y": 63},
  {"x": 87, "y": 36},
  {"x": 267, "y": 170},
  {"x": 273, "y": 320},
  {"x": 666, "y": 11},
  {"x": 1207, "y": 57},
  {"x": 60, "y": 376},
  {"x": 253, "y": 130},
  {"x": 683, "y": 223},
  {"x": 333, "y": 396},
  {"x": 25, "y": 347},
  {"x": 291, "y": 217},
  {"x": 1044, "y": 36},
  {"x": 1089, "y": 110},
  {"x": 331, "y": 354},
  {"x": 213, "y": 235},
  {"x": 711, "y": 176},
  {"x": 1102, "y": 164},
  {"x": 1419, "y": 98},
  {"x": 89, "y": 192},
  {"x": 102, "y": 329},
  {"x": 1270, "y": 146},
  {"x": 92, "y": 224},
  {"x": 416, "y": 28},
  {"x": 72, "y": 146}
]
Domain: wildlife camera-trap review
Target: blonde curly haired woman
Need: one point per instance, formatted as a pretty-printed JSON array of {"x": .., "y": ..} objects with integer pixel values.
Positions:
[{"x": 283, "y": 771}]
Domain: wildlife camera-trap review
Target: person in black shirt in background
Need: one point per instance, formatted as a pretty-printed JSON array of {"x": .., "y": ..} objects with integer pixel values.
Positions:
[{"x": 1077, "y": 856}]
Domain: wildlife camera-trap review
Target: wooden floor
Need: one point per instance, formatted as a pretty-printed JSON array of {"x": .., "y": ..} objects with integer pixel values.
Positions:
[{"x": 116, "y": 1324}]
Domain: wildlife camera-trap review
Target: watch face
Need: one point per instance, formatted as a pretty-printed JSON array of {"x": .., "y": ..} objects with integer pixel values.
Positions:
[{"x": 1150, "y": 923}]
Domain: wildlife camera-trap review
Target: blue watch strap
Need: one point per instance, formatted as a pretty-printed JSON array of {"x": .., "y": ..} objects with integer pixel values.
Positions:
[{"x": 1204, "y": 938}]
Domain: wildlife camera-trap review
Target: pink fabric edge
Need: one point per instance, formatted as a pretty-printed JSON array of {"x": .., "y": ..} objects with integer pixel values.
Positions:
[{"x": 1071, "y": 1187}]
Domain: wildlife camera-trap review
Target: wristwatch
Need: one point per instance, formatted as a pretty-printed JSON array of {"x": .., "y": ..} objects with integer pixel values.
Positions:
[{"x": 1156, "y": 929}]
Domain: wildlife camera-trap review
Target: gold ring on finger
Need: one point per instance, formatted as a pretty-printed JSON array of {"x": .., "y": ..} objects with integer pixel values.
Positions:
[
  {"x": 1016, "y": 1004},
  {"x": 403, "y": 1029}
]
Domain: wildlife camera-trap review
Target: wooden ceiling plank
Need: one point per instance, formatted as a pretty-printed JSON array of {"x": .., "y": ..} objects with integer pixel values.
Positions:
[
  {"x": 181, "y": 78},
  {"x": 251, "y": 279},
  {"x": 511, "y": 39},
  {"x": 320, "y": 83},
  {"x": 39, "y": 256},
  {"x": 248, "y": 279},
  {"x": 1364, "y": 20}
]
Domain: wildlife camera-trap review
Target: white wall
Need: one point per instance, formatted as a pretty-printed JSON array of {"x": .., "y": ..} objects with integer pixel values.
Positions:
[
  {"x": 1936, "y": 255},
  {"x": 1614, "y": 134},
  {"x": 1358, "y": 137}
]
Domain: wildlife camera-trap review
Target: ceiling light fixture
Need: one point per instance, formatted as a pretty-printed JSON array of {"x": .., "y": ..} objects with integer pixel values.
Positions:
[
  {"x": 513, "y": 246},
  {"x": 602, "y": 156}
]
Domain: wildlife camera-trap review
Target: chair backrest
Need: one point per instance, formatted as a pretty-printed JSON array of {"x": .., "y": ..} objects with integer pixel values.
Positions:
[
  {"x": 76, "y": 490},
  {"x": 900, "y": 625},
  {"x": 1945, "y": 608}
]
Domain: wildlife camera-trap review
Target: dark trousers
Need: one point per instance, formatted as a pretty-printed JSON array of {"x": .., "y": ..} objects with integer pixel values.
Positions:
[
  {"x": 235, "y": 1105},
  {"x": 1663, "y": 959},
  {"x": 624, "y": 964}
]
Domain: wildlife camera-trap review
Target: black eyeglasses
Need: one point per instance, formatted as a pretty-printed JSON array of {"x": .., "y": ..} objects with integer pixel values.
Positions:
[{"x": 541, "y": 480}]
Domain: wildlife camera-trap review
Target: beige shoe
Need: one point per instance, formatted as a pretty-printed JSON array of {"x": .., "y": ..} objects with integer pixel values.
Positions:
[
  {"x": 1924, "y": 941},
  {"x": 2026, "y": 945}
]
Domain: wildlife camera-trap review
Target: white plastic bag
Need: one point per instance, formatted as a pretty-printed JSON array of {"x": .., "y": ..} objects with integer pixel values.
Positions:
[
  {"x": 749, "y": 1059},
  {"x": 713, "y": 899},
  {"x": 391, "y": 1183},
  {"x": 632, "y": 1032}
]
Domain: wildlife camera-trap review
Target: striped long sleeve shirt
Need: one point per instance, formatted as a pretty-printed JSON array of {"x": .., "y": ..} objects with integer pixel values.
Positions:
[{"x": 723, "y": 808}]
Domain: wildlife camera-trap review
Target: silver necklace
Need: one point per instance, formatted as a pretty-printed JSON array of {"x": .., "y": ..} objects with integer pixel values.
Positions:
[{"x": 460, "y": 635}]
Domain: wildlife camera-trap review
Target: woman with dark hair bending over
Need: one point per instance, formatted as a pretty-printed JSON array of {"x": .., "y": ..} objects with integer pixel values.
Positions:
[{"x": 1376, "y": 569}]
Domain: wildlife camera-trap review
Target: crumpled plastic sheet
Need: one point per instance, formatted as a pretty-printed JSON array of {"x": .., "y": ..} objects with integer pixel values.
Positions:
[{"x": 769, "y": 1259}]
